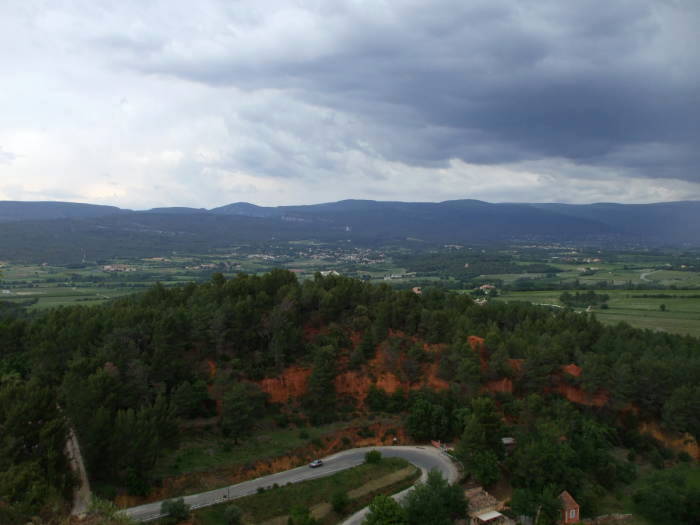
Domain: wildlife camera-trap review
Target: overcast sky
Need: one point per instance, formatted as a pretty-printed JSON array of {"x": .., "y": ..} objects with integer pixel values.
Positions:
[{"x": 202, "y": 103}]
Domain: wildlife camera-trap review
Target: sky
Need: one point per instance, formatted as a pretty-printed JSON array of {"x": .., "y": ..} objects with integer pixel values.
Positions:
[{"x": 181, "y": 103}]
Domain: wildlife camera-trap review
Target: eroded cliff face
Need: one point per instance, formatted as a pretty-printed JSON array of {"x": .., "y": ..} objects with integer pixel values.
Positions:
[
  {"x": 580, "y": 397},
  {"x": 292, "y": 384},
  {"x": 289, "y": 385}
]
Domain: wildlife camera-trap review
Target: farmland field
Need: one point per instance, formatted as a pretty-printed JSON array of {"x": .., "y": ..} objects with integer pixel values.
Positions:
[{"x": 681, "y": 313}]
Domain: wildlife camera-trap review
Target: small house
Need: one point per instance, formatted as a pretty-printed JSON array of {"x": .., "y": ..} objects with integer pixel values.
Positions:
[{"x": 570, "y": 509}]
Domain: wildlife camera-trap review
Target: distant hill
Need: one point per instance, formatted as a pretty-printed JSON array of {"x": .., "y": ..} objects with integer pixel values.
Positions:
[
  {"x": 178, "y": 210},
  {"x": 670, "y": 222},
  {"x": 11, "y": 211},
  {"x": 247, "y": 209},
  {"x": 59, "y": 232}
]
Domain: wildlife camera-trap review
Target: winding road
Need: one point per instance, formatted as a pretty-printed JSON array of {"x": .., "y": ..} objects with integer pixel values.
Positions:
[
  {"x": 425, "y": 458},
  {"x": 644, "y": 275}
]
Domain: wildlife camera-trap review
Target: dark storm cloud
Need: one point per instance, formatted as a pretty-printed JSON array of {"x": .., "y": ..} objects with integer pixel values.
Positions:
[{"x": 599, "y": 83}]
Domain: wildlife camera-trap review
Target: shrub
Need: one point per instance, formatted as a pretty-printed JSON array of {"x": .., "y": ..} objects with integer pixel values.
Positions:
[
  {"x": 303, "y": 434},
  {"x": 373, "y": 456},
  {"x": 233, "y": 515},
  {"x": 282, "y": 420},
  {"x": 339, "y": 501},
  {"x": 365, "y": 432},
  {"x": 684, "y": 457},
  {"x": 656, "y": 459},
  {"x": 176, "y": 509},
  {"x": 300, "y": 516},
  {"x": 377, "y": 399}
]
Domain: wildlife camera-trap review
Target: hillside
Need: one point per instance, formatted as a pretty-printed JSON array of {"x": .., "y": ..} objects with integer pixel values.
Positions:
[
  {"x": 146, "y": 374},
  {"x": 60, "y": 232},
  {"x": 16, "y": 211}
]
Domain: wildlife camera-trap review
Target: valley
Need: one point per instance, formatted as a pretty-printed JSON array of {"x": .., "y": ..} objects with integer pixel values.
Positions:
[{"x": 639, "y": 282}]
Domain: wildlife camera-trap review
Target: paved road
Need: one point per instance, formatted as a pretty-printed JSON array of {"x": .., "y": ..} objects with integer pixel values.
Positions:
[
  {"x": 644, "y": 275},
  {"x": 425, "y": 458}
]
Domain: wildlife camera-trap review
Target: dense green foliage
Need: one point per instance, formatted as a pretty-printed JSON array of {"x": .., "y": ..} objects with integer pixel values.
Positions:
[
  {"x": 385, "y": 511},
  {"x": 668, "y": 497},
  {"x": 176, "y": 509},
  {"x": 583, "y": 299},
  {"x": 34, "y": 471},
  {"x": 128, "y": 374},
  {"x": 373, "y": 456},
  {"x": 469, "y": 265},
  {"x": 233, "y": 515},
  {"x": 434, "y": 502}
]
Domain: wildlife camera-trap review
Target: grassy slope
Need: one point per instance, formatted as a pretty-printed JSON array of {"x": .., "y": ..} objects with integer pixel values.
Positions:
[
  {"x": 206, "y": 451},
  {"x": 278, "y": 501}
]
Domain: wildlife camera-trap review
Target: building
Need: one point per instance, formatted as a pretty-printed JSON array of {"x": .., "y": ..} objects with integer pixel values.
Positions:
[
  {"x": 570, "y": 509},
  {"x": 483, "y": 508},
  {"x": 508, "y": 444}
]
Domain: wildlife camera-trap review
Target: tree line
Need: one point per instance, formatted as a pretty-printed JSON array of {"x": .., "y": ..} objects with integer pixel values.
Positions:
[{"x": 129, "y": 373}]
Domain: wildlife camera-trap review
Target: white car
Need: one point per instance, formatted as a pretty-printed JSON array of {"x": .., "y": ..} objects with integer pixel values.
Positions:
[{"x": 316, "y": 463}]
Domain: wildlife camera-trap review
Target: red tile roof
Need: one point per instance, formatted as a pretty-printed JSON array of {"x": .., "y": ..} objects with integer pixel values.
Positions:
[{"x": 568, "y": 501}]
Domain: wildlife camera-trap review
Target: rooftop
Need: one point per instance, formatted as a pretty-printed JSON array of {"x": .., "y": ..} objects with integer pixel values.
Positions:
[{"x": 568, "y": 500}]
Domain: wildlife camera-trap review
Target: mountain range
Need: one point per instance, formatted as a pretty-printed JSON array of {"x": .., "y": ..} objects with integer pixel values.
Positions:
[{"x": 58, "y": 231}]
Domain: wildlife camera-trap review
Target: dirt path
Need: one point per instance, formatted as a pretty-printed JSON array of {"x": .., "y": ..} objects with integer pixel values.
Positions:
[{"x": 82, "y": 493}]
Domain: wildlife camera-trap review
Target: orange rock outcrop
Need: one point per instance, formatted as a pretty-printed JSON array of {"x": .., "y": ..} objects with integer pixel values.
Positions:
[
  {"x": 679, "y": 443},
  {"x": 291, "y": 384}
]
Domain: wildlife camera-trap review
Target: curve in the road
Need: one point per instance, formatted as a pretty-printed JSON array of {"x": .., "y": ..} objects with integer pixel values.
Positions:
[
  {"x": 425, "y": 458},
  {"x": 644, "y": 275}
]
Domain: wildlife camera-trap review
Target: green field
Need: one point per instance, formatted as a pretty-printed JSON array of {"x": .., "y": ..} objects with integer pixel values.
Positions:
[
  {"x": 682, "y": 314},
  {"x": 201, "y": 452},
  {"x": 39, "y": 286},
  {"x": 278, "y": 501},
  {"x": 615, "y": 274}
]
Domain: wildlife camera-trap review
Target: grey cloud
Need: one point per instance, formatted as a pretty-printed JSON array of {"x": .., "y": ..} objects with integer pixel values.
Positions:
[
  {"x": 486, "y": 82},
  {"x": 6, "y": 157}
]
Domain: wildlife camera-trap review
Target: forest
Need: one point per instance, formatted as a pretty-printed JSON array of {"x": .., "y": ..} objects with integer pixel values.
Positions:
[{"x": 128, "y": 374}]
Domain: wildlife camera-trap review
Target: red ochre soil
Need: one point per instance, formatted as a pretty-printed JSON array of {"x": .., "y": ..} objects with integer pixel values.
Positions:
[
  {"x": 680, "y": 443},
  {"x": 292, "y": 383}
]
